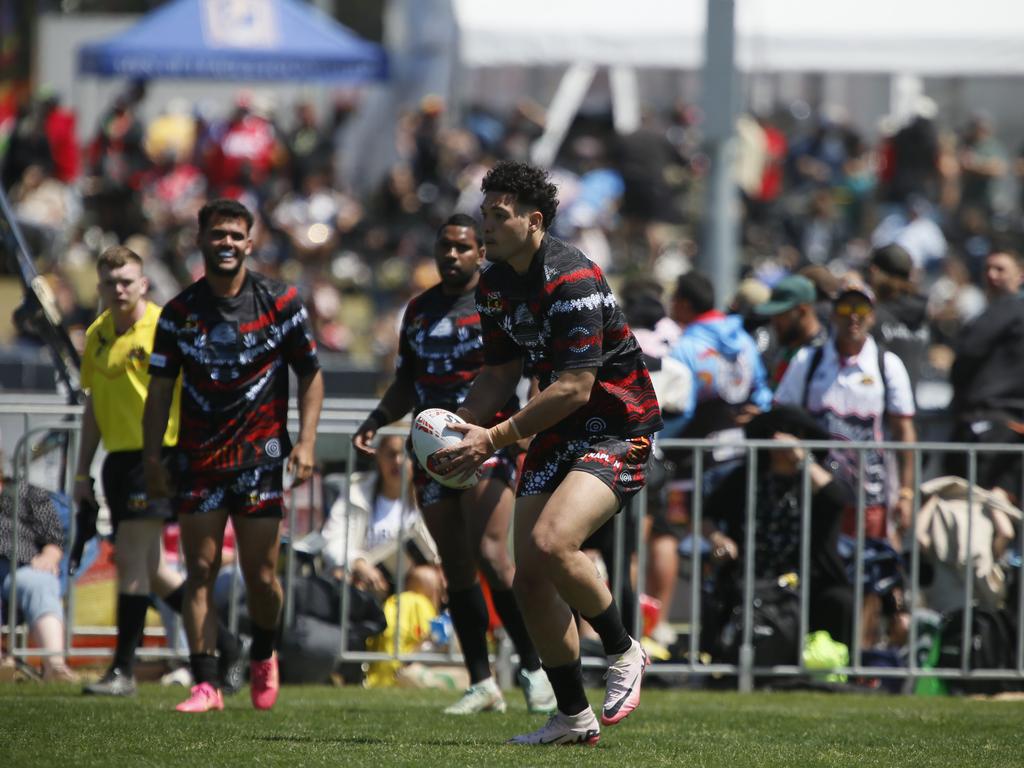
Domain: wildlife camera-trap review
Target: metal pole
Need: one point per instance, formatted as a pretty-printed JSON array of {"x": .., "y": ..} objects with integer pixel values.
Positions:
[
  {"x": 696, "y": 577},
  {"x": 350, "y": 465},
  {"x": 639, "y": 508},
  {"x": 805, "y": 553},
  {"x": 289, "y": 573},
  {"x": 915, "y": 559},
  {"x": 858, "y": 584},
  {"x": 719, "y": 255},
  {"x": 968, "y": 628},
  {"x": 746, "y": 676}
]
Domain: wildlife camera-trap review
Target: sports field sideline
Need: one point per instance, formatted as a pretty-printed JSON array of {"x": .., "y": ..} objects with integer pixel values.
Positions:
[{"x": 320, "y": 726}]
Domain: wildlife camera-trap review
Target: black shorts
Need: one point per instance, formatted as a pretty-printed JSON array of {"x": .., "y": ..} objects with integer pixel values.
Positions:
[
  {"x": 125, "y": 488},
  {"x": 619, "y": 463},
  {"x": 252, "y": 492},
  {"x": 501, "y": 466}
]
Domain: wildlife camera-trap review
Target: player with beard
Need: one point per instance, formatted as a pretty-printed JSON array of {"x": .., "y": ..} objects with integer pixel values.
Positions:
[
  {"x": 440, "y": 353},
  {"x": 545, "y": 305},
  {"x": 232, "y": 336}
]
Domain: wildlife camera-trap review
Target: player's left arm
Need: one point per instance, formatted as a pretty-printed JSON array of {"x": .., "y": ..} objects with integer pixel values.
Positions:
[{"x": 311, "y": 401}]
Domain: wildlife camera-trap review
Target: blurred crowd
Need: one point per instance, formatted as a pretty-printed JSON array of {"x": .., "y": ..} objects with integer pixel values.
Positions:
[{"x": 815, "y": 191}]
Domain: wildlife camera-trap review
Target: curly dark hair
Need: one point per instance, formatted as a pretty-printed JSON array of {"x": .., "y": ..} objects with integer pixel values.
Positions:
[
  {"x": 531, "y": 186},
  {"x": 224, "y": 208}
]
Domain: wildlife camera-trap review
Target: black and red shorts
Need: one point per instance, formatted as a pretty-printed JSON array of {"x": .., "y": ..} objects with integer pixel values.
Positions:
[
  {"x": 253, "y": 492},
  {"x": 620, "y": 463},
  {"x": 501, "y": 466}
]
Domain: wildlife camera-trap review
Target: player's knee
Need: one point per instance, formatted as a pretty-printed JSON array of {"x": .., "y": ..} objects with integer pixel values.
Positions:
[
  {"x": 201, "y": 574},
  {"x": 550, "y": 545}
]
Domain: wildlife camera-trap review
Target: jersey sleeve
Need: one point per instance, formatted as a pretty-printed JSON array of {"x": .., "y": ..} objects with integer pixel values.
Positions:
[
  {"x": 791, "y": 389},
  {"x": 405, "y": 364},
  {"x": 576, "y": 313},
  {"x": 899, "y": 397},
  {"x": 299, "y": 346},
  {"x": 89, "y": 356},
  {"x": 165, "y": 359}
]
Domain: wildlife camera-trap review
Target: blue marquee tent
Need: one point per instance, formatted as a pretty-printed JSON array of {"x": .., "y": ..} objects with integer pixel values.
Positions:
[{"x": 236, "y": 40}]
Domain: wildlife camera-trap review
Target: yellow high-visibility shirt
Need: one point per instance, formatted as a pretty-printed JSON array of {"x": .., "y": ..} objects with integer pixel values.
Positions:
[{"x": 115, "y": 370}]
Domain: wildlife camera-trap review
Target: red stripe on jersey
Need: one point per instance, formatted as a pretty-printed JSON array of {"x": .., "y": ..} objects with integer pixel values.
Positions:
[{"x": 572, "y": 277}]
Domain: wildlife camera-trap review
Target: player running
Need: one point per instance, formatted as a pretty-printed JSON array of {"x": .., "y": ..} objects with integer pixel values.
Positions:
[
  {"x": 440, "y": 353},
  {"x": 544, "y": 304}
]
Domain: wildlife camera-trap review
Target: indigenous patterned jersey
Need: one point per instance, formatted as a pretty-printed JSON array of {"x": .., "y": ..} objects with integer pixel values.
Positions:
[
  {"x": 232, "y": 354},
  {"x": 441, "y": 349},
  {"x": 561, "y": 315}
]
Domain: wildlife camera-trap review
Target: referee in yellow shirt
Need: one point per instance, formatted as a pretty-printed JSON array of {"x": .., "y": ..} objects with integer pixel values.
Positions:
[{"x": 115, "y": 372}]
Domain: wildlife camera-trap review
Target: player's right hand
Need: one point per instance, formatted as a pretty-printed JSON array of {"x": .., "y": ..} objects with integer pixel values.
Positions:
[
  {"x": 363, "y": 438},
  {"x": 158, "y": 479},
  {"x": 83, "y": 492}
]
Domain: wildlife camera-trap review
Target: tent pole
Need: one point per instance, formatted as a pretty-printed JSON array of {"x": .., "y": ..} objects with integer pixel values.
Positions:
[
  {"x": 718, "y": 257},
  {"x": 568, "y": 97},
  {"x": 625, "y": 99}
]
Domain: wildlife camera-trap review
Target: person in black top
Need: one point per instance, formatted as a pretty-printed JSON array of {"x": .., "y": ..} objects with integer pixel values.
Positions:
[
  {"x": 778, "y": 521},
  {"x": 988, "y": 377},
  {"x": 901, "y": 317},
  {"x": 232, "y": 334},
  {"x": 545, "y": 305},
  {"x": 440, "y": 353}
]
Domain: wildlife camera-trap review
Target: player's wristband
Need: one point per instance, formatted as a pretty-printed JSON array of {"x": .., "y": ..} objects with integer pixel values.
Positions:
[{"x": 504, "y": 434}]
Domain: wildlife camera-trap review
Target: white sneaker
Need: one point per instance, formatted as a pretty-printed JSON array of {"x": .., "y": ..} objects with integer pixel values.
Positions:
[
  {"x": 540, "y": 696},
  {"x": 484, "y": 696},
  {"x": 624, "y": 676},
  {"x": 564, "y": 729}
]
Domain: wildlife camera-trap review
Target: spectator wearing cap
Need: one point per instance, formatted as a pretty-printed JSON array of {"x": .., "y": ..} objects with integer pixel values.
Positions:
[
  {"x": 794, "y": 321},
  {"x": 901, "y": 314},
  {"x": 856, "y": 390},
  {"x": 826, "y": 286},
  {"x": 988, "y": 375}
]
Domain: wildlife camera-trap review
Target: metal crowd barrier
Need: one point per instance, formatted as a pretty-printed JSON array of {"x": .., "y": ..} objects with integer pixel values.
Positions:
[{"x": 339, "y": 423}]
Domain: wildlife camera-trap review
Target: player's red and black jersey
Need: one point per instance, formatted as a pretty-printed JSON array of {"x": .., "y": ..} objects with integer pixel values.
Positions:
[
  {"x": 561, "y": 315},
  {"x": 234, "y": 355},
  {"x": 441, "y": 350}
]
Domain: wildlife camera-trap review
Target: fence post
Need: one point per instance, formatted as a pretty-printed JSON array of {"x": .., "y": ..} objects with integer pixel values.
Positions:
[{"x": 746, "y": 659}]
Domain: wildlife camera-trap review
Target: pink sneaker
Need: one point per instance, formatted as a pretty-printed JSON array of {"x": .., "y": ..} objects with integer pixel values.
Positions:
[
  {"x": 203, "y": 698},
  {"x": 264, "y": 683}
]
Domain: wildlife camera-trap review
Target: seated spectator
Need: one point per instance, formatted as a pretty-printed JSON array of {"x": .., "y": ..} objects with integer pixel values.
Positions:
[
  {"x": 361, "y": 538},
  {"x": 38, "y": 564},
  {"x": 778, "y": 521}
]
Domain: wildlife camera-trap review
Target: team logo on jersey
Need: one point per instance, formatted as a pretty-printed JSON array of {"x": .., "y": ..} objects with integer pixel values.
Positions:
[
  {"x": 223, "y": 334},
  {"x": 443, "y": 328},
  {"x": 596, "y": 425},
  {"x": 273, "y": 448},
  {"x": 493, "y": 301}
]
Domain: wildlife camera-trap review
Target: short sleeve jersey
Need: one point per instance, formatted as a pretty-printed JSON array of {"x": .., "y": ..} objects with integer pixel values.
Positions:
[
  {"x": 115, "y": 371},
  {"x": 233, "y": 354},
  {"x": 849, "y": 400},
  {"x": 561, "y": 315},
  {"x": 441, "y": 350}
]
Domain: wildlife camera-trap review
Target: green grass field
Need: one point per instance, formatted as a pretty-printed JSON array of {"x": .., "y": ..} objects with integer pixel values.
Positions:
[{"x": 321, "y": 726}]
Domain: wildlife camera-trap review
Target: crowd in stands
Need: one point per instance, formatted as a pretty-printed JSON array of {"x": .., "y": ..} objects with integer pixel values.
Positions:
[{"x": 871, "y": 264}]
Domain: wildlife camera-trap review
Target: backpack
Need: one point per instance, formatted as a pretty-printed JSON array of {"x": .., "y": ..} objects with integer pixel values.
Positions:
[
  {"x": 776, "y": 633},
  {"x": 993, "y": 645}
]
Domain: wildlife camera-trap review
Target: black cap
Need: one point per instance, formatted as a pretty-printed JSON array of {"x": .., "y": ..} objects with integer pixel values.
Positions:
[{"x": 893, "y": 260}]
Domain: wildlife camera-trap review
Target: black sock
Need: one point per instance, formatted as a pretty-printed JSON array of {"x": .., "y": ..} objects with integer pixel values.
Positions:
[
  {"x": 131, "y": 622},
  {"x": 567, "y": 682},
  {"x": 470, "y": 619},
  {"x": 227, "y": 642},
  {"x": 204, "y": 669},
  {"x": 608, "y": 625},
  {"x": 262, "y": 643},
  {"x": 508, "y": 610}
]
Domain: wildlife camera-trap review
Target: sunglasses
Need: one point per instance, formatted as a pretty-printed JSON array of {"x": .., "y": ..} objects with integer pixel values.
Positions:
[{"x": 849, "y": 308}]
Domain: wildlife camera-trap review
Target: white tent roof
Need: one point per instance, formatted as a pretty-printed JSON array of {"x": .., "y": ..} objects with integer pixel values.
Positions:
[{"x": 925, "y": 37}]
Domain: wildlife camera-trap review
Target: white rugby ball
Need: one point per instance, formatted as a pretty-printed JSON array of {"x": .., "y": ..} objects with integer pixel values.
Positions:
[{"x": 431, "y": 431}]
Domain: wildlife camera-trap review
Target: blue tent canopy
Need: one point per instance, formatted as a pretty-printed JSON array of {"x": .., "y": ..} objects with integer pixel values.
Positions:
[{"x": 236, "y": 40}]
